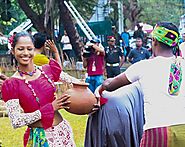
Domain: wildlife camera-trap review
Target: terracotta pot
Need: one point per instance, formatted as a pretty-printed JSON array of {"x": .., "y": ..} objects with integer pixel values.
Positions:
[{"x": 82, "y": 99}]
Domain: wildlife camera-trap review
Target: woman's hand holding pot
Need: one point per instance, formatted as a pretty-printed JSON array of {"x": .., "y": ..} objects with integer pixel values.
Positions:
[{"x": 61, "y": 102}]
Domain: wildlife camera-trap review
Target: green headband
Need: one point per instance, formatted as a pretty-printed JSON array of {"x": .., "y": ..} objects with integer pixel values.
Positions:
[{"x": 166, "y": 36}]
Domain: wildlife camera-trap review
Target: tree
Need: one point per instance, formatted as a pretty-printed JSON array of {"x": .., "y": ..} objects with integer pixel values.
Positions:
[
  {"x": 149, "y": 11},
  {"x": 131, "y": 10},
  {"x": 70, "y": 29},
  {"x": 11, "y": 16},
  {"x": 158, "y": 10},
  {"x": 45, "y": 14},
  {"x": 37, "y": 17}
]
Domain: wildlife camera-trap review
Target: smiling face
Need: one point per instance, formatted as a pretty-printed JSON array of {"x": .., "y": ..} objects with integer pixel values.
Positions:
[{"x": 24, "y": 51}]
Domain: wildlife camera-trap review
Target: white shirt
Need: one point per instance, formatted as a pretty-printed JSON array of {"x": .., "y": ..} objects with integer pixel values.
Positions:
[
  {"x": 66, "y": 42},
  {"x": 160, "y": 108}
]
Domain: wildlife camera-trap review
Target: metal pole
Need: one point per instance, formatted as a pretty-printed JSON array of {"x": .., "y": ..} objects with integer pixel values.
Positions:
[{"x": 120, "y": 17}]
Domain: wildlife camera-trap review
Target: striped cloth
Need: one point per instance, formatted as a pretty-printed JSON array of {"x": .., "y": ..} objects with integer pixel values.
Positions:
[{"x": 173, "y": 136}]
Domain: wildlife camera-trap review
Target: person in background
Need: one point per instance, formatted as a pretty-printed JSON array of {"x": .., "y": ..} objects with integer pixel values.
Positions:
[
  {"x": 125, "y": 36},
  {"x": 41, "y": 43},
  {"x": 67, "y": 47},
  {"x": 139, "y": 53},
  {"x": 32, "y": 89},
  {"x": 114, "y": 58},
  {"x": 162, "y": 80},
  {"x": 116, "y": 35},
  {"x": 139, "y": 33},
  {"x": 94, "y": 64}
]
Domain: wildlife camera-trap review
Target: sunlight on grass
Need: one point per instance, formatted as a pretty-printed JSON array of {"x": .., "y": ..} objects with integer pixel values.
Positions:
[
  {"x": 78, "y": 123},
  {"x": 14, "y": 137}
]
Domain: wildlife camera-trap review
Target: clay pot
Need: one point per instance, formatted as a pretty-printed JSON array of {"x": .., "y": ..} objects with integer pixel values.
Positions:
[{"x": 82, "y": 99}]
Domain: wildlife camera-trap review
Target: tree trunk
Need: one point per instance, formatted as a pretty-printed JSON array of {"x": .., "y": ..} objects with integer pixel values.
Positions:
[
  {"x": 65, "y": 18},
  {"x": 132, "y": 12},
  {"x": 37, "y": 20},
  {"x": 69, "y": 26}
]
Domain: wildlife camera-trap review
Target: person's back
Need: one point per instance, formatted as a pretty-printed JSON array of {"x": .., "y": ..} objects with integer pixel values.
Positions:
[
  {"x": 39, "y": 44},
  {"x": 40, "y": 59},
  {"x": 155, "y": 82},
  {"x": 163, "y": 85},
  {"x": 40, "y": 55}
]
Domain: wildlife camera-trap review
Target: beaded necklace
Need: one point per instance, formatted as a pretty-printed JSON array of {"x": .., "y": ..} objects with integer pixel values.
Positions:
[
  {"x": 33, "y": 91},
  {"x": 26, "y": 73}
]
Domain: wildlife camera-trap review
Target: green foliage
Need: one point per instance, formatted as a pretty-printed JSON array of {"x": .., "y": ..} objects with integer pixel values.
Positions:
[
  {"x": 152, "y": 11},
  {"x": 17, "y": 17},
  {"x": 14, "y": 138},
  {"x": 84, "y": 7},
  {"x": 37, "y": 6},
  {"x": 158, "y": 10}
]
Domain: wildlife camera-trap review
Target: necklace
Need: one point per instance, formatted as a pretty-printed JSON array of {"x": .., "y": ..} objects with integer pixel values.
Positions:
[
  {"x": 33, "y": 91},
  {"x": 26, "y": 73}
]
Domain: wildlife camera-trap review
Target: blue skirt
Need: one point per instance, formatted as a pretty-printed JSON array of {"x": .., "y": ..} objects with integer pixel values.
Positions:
[{"x": 118, "y": 123}]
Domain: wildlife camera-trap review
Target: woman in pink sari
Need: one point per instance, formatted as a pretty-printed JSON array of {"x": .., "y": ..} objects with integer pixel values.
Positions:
[{"x": 30, "y": 96}]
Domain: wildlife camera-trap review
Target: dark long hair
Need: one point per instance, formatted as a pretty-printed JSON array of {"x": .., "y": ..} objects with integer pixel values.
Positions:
[{"x": 21, "y": 34}]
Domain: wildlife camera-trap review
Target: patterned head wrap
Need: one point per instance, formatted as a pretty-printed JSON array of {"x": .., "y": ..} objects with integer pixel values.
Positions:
[{"x": 166, "y": 36}]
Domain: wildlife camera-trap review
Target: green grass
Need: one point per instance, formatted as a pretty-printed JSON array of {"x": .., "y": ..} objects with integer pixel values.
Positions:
[{"x": 14, "y": 137}]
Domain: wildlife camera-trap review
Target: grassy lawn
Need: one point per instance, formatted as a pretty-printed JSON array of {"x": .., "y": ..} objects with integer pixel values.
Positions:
[{"x": 14, "y": 137}]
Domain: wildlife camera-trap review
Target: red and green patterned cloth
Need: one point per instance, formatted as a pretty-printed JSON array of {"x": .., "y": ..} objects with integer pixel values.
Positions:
[{"x": 37, "y": 138}]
